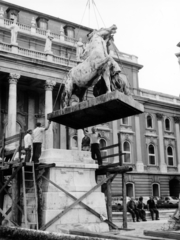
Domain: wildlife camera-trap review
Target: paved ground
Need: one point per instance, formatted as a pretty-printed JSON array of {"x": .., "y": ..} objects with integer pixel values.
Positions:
[{"x": 139, "y": 227}]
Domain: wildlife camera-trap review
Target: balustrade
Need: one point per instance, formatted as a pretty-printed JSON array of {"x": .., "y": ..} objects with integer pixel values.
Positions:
[{"x": 5, "y": 47}]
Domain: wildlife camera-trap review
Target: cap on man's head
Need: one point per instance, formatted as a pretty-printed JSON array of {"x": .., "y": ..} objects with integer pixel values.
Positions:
[
  {"x": 29, "y": 130},
  {"x": 38, "y": 124}
]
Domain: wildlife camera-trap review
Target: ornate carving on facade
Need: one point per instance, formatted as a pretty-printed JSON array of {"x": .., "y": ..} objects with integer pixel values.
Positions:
[
  {"x": 50, "y": 85},
  {"x": 176, "y": 119},
  {"x": 33, "y": 22},
  {"x": 159, "y": 116},
  {"x": 13, "y": 78},
  {"x": 151, "y": 139},
  {"x": 1, "y": 13},
  {"x": 169, "y": 141}
]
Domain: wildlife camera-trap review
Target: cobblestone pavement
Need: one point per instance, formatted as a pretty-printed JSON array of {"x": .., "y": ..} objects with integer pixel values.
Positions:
[{"x": 139, "y": 227}]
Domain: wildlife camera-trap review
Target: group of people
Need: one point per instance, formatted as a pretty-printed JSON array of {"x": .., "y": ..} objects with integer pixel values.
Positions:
[
  {"x": 138, "y": 212},
  {"x": 33, "y": 142}
]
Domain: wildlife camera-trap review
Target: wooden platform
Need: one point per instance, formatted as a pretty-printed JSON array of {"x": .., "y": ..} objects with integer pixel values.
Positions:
[{"x": 105, "y": 108}]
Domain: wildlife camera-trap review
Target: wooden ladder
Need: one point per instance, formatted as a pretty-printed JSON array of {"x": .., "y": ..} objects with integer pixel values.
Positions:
[{"x": 30, "y": 196}]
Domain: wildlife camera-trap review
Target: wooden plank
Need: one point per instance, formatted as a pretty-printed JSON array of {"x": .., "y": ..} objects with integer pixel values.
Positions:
[
  {"x": 7, "y": 218},
  {"x": 11, "y": 139},
  {"x": 111, "y": 146},
  {"x": 12, "y": 176},
  {"x": 119, "y": 170},
  {"x": 110, "y": 223},
  {"x": 105, "y": 108},
  {"x": 163, "y": 234},
  {"x": 109, "y": 199},
  {"x": 124, "y": 201},
  {"x": 113, "y": 155},
  {"x": 74, "y": 204}
]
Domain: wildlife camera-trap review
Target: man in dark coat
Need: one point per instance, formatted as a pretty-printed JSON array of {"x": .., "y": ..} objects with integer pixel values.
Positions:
[
  {"x": 140, "y": 207},
  {"x": 151, "y": 206},
  {"x": 132, "y": 208}
]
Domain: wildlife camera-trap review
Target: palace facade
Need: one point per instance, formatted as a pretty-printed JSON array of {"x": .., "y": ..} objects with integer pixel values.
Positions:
[{"x": 30, "y": 86}]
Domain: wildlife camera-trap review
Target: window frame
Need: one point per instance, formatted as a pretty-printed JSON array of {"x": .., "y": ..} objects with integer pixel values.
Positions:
[
  {"x": 170, "y": 127},
  {"x": 126, "y": 152},
  {"x": 125, "y": 124},
  {"x": 159, "y": 188},
  {"x": 103, "y": 151},
  {"x": 170, "y": 156},
  {"x": 150, "y": 155},
  {"x": 149, "y": 115}
]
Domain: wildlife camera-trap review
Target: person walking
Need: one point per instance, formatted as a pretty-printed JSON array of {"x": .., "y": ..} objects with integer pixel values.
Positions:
[
  {"x": 151, "y": 206},
  {"x": 38, "y": 133},
  {"x": 132, "y": 208},
  {"x": 140, "y": 207},
  {"x": 94, "y": 139},
  {"x": 28, "y": 145}
]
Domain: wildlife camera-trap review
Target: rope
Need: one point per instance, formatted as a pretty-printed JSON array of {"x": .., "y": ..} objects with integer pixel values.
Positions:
[
  {"x": 95, "y": 15},
  {"x": 98, "y": 12}
]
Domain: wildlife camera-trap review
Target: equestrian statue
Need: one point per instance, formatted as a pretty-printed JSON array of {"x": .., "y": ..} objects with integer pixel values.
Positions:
[{"x": 98, "y": 69}]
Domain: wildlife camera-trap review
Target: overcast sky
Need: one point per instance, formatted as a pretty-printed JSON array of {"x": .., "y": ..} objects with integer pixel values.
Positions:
[{"x": 149, "y": 29}]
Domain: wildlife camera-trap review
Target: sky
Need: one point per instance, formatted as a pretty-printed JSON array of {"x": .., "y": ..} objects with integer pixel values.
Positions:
[{"x": 148, "y": 29}]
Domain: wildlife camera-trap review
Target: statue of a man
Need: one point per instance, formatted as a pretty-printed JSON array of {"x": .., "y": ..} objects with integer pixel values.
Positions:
[
  {"x": 48, "y": 45},
  {"x": 14, "y": 31},
  {"x": 79, "y": 49}
]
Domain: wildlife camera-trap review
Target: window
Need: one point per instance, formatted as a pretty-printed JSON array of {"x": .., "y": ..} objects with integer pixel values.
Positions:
[
  {"x": 151, "y": 155},
  {"x": 167, "y": 124},
  {"x": 69, "y": 31},
  {"x": 155, "y": 190},
  {"x": 125, "y": 121},
  {"x": 42, "y": 23},
  {"x": 127, "y": 151},
  {"x": 130, "y": 190},
  {"x": 102, "y": 144},
  {"x": 170, "y": 156},
  {"x": 149, "y": 121}
]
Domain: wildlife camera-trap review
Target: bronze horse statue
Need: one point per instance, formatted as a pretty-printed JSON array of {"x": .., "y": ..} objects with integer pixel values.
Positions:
[{"x": 97, "y": 64}]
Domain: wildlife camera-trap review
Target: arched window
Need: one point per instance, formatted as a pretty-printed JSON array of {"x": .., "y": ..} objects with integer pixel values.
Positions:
[
  {"x": 130, "y": 190},
  {"x": 155, "y": 189},
  {"x": 167, "y": 124},
  {"x": 149, "y": 121},
  {"x": 170, "y": 157},
  {"x": 151, "y": 155},
  {"x": 102, "y": 144},
  {"x": 125, "y": 121},
  {"x": 74, "y": 142},
  {"x": 127, "y": 151}
]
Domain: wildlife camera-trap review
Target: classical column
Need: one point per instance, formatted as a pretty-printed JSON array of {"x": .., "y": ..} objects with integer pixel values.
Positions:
[
  {"x": 48, "y": 109},
  {"x": 12, "y": 103},
  {"x": 163, "y": 166},
  {"x": 177, "y": 132},
  {"x": 139, "y": 163}
]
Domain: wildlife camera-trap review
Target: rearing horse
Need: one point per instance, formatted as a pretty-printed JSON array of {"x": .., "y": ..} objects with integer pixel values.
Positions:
[{"x": 97, "y": 64}]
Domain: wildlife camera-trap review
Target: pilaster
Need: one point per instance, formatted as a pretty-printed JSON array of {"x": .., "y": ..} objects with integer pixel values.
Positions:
[
  {"x": 177, "y": 132},
  {"x": 163, "y": 166},
  {"x": 139, "y": 163},
  {"x": 49, "y": 108}
]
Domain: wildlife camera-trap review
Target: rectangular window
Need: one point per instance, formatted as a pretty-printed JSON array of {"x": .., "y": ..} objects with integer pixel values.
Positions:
[
  {"x": 152, "y": 160},
  {"x": 170, "y": 161},
  {"x": 127, "y": 158}
]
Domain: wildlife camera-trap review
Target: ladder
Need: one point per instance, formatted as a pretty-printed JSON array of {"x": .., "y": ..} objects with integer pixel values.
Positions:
[{"x": 30, "y": 200}]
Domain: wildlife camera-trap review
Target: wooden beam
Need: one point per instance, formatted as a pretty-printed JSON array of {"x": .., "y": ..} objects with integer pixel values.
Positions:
[
  {"x": 163, "y": 234},
  {"x": 7, "y": 218},
  {"x": 109, "y": 200},
  {"x": 111, "y": 146},
  {"x": 74, "y": 204},
  {"x": 113, "y": 155},
  {"x": 12, "y": 176},
  {"x": 110, "y": 223},
  {"x": 124, "y": 201}
]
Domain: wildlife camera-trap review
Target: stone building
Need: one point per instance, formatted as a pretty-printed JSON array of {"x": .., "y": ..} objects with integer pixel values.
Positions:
[{"x": 31, "y": 76}]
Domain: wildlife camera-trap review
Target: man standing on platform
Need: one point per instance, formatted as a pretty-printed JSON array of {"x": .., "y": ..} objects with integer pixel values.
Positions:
[
  {"x": 28, "y": 145},
  {"x": 94, "y": 138},
  {"x": 38, "y": 133}
]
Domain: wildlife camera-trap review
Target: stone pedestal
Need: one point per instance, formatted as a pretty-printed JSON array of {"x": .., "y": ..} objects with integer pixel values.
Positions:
[{"x": 74, "y": 172}]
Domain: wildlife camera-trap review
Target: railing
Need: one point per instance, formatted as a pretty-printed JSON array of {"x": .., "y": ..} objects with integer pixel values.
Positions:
[
  {"x": 41, "y": 31},
  {"x": 55, "y": 35},
  {"x": 5, "y": 47},
  {"x": 7, "y": 22},
  {"x": 64, "y": 61},
  {"x": 24, "y": 27},
  {"x": 31, "y": 53},
  {"x": 68, "y": 39}
]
